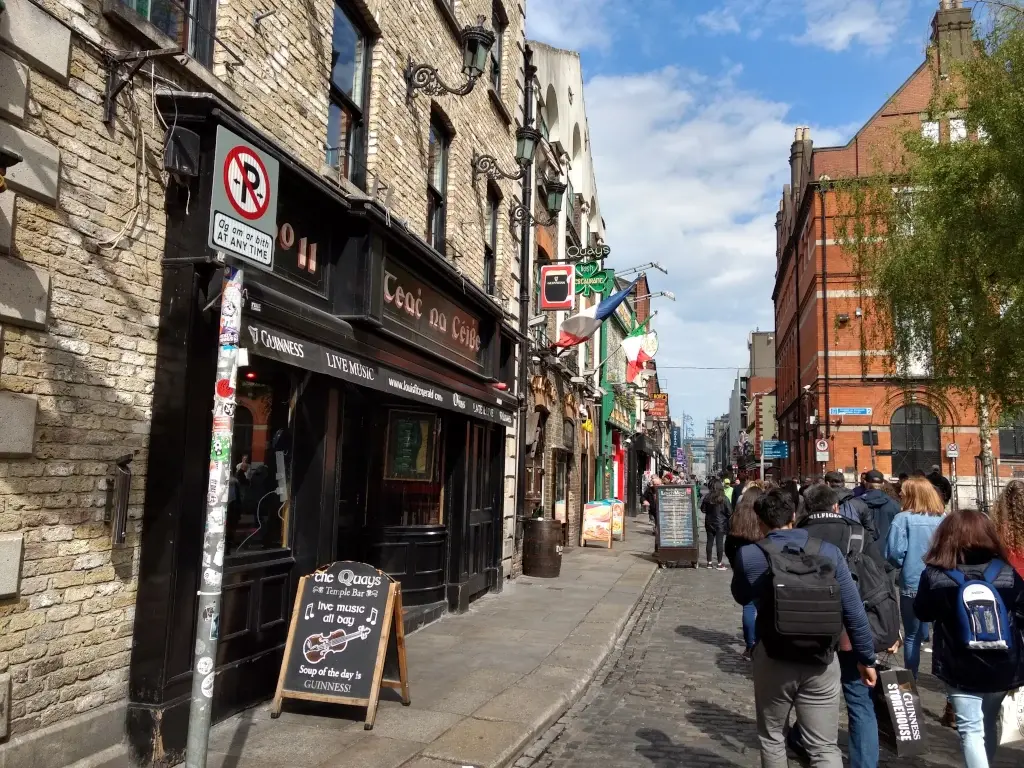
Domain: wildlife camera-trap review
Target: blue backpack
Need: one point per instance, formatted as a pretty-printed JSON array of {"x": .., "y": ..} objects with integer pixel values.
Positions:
[{"x": 981, "y": 615}]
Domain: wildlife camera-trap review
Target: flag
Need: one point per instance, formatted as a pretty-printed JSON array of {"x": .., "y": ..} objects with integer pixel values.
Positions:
[
  {"x": 581, "y": 326},
  {"x": 636, "y": 354}
]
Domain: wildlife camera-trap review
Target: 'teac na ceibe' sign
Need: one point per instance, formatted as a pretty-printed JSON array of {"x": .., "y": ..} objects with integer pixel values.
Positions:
[{"x": 346, "y": 623}]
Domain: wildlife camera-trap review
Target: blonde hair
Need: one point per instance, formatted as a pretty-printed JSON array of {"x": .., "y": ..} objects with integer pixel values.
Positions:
[
  {"x": 1008, "y": 515},
  {"x": 919, "y": 496}
]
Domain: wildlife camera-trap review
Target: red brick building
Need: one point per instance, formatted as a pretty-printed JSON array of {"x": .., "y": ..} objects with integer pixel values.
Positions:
[{"x": 827, "y": 353}]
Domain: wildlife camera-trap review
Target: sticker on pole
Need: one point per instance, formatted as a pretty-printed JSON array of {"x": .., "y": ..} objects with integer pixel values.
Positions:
[{"x": 243, "y": 200}]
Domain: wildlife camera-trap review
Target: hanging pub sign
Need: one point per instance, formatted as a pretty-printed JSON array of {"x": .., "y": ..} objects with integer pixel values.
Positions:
[
  {"x": 421, "y": 315},
  {"x": 591, "y": 279},
  {"x": 346, "y": 639},
  {"x": 556, "y": 287},
  {"x": 590, "y": 252},
  {"x": 658, "y": 408}
]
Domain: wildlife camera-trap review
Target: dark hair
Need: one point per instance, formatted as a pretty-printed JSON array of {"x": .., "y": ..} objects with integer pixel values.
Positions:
[
  {"x": 775, "y": 509},
  {"x": 793, "y": 489},
  {"x": 820, "y": 498},
  {"x": 744, "y": 522},
  {"x": 962, "y": 532},
  {"x": 716, "y": 492},
  {"x": 903, "y": 476},
  {"x": 891, "y": 491}
]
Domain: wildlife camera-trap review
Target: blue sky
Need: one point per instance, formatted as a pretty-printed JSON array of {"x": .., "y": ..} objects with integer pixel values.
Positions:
[{"x": 691, "y": 106}]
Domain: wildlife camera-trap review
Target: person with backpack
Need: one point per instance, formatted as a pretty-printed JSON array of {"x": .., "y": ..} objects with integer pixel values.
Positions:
[
  {"x": 850, "y": 506},
  {"x": 883, "y": 507},
  {"x": 717, "y": 511},
  {"x": 795, "y": 664},
  {"x": 910, "y": 536},
  {"x": 745, "y": 528},
  {"x": 976, "y": 600},
  {"x": 881, "y": 603}
]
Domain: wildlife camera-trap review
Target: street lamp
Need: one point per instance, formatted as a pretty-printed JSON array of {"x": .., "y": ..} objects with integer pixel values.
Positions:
[
  {"x": 476, "y": 46},
  {"x": 527, "y": 139},
  {"x": 556, "y": 193}
]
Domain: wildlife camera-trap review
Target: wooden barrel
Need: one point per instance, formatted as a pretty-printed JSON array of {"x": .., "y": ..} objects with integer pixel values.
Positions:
[{"x": 542, "y": 548}]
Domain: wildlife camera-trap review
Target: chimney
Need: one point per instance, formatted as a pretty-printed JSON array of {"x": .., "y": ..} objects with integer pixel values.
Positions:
[
  {"x": 798, "y": 160},
  {"x": 952, "y": 33}
]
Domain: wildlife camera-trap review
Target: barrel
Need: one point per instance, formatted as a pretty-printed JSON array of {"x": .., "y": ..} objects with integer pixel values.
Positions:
[{"x": 542, "y": 548}]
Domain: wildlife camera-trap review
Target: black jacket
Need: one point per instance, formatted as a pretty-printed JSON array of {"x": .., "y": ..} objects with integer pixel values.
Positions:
[
  {"x": 732, "y": 546},
  {"x": 942, "y": 485},
  {"x": 859, "y": 511},
  {"x": 883, "y": 509},
  {"x": 973, "y": 671},
  {"x": 835, "y": 529},
  {"x": 716, "y": 516}
]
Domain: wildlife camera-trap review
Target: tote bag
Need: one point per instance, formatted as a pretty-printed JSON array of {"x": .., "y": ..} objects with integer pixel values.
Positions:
[{"x": 1012, "y": 718}]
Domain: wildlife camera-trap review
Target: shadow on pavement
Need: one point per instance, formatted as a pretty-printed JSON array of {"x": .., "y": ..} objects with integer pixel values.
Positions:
[
  {"x": 724, "y": 726},
  {"x": 729, "y": 657},
  {"x": 664, "y": 753}
]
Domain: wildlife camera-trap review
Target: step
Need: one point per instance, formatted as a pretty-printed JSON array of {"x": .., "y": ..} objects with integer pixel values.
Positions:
[{"x": 111, "y": 757}]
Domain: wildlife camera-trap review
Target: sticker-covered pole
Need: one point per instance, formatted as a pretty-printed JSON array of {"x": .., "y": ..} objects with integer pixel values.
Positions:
[{"x": 212, "y": 571}]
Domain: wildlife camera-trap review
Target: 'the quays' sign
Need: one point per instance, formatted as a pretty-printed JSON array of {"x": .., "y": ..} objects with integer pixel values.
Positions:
[{"x": 591, "y": 279}]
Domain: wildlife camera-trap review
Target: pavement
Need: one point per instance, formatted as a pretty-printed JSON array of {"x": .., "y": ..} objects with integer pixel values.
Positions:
[
  {"x": 677, "y": 693},
  {"x": 483, "y": 684}
]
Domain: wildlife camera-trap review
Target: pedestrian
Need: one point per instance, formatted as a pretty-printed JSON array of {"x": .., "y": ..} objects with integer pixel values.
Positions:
[
  {"x": 824, "y": 522},
  {"x": 797, "y": 668},
  {"x": 909, "y": 538},
  {"x": 883, "y": 507},
  {"x": 727, "y": 489},
  {"x": 900, "y": 481},
  {"x": 717, "y": 510},
  {"x": 861, "y": 487},
  {"x": 651, "y": 501},
  {"x": 978, "y": 655},
  {"x": 737, "y": 491},
  {"x": 853, "y": 508},
  {"x": 942, "y": 485},
  {"x": 745, "y": 528},
  {"x": 1008, "y": 515}
]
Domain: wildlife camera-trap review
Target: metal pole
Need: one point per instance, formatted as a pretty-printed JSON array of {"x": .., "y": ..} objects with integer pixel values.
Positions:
[
  {"x": 762, "y": 459},
  {"x": 529, "y": 73},
  {"x": 208, "y": 612},
  {"x": 956, "y": 492}
]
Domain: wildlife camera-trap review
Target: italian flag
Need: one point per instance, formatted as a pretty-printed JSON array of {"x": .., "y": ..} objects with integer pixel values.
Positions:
[{"x": 636, "y": 357}]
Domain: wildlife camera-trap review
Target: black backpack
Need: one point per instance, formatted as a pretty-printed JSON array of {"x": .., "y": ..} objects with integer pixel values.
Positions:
[
  {"x": 801, "y": 616},
  {"x": 876, "y": 587}
]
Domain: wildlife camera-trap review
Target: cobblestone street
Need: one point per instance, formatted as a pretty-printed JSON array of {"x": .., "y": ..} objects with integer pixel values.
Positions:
[{"x": 676, "y": 692}]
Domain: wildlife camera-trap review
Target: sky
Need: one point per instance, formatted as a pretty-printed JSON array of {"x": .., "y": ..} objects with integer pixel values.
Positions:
[{"x": 692, "y": 105}]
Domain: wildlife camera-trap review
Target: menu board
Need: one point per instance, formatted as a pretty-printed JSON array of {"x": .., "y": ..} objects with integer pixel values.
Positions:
[
  {"x": 618, "y": 519},
  {"x": 342, "y": 625},
  {"x": 597, "y": 523},
  {"x": 677, "y": 517},
  {"x": 410, "y": 446}
]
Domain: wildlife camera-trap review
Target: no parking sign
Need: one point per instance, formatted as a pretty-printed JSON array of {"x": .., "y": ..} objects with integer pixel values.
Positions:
[{"x": 243, "y": 202}]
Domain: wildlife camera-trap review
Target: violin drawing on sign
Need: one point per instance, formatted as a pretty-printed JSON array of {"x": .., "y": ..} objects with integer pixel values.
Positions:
[{"x": 316, "y": 647}]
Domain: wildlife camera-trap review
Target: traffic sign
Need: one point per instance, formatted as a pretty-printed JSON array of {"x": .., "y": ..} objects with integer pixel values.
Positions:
[
  {"x": 775, "y": 449},
  {"x": 243, "y": 200},
  {"x": 821, "y": 445},
  {"x": 952, "y": 451},
  {"x": 842, "y": 411}
]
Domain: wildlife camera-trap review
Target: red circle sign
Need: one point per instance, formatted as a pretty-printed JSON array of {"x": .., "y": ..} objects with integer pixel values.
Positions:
[{"x": 246, "y": 183}]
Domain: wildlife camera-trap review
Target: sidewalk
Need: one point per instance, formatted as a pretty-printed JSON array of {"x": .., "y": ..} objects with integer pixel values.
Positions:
[{"x": 483, "y": 684}]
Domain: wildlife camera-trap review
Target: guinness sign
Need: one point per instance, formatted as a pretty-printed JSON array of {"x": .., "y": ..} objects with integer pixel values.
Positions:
[{"x": 556, "y": 287}]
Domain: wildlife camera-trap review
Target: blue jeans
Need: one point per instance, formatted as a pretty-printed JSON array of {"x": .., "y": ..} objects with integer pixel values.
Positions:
[
  {"x": 860, "y": 710},
  {"x": 913, "y": 633},
  {"x": 749, "y": 628},
  {"x": 977, "y": 720}
]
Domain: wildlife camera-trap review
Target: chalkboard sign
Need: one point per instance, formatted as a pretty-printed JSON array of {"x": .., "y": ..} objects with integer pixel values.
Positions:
[
  {"x": 340, "y": 634},
  {"x": 677, "y": 523}
]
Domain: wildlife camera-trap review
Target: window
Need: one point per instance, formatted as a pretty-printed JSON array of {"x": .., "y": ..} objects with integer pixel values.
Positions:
[
  {"x": 930, "y": 130},
  {"x": 570, "y": 204},
  {"x": 1011, "y": 439},
  {"x": 437, "y": 183},
  {"x": 500, "y": 23},
  {"x": 190, "y": 23},
  {"x": 346, "y": 148},
  {"x": 491, "y": 242},
  {"x": 957, "y": 130}
]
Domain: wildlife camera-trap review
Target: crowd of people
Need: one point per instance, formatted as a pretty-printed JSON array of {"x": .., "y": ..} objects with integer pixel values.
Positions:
[{"x": 834, "y": 580}]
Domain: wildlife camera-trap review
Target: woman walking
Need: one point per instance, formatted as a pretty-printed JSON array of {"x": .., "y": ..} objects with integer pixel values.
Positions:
[
  {"x": 1008, "y": 515},
  {"x": 910, "y": 536},
  {"x": 745, "y": 528},
  {"x": 716, "y": 509},
  {"x": 966, "y": 547}
]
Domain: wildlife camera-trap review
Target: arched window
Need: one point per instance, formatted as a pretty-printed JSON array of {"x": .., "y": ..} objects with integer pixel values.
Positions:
[{"x": 916, "y": 442}]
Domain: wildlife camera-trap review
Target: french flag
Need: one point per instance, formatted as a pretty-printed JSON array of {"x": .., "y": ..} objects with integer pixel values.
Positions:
[{"x": 581, "y": 326}]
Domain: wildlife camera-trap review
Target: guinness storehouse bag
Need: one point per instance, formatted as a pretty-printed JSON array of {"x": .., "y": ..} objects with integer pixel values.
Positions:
[
  {"x": 1012, "y": 718},
  {"x": 899, "y": 713}
]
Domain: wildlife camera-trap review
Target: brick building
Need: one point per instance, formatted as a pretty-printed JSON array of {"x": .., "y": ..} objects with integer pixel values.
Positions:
[
  {"x": 834, "y": 382},
  {"x": 108, "y": 338}
]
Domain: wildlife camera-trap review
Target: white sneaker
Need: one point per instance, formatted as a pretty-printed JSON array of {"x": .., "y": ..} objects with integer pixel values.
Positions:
[{"x": 711, "y": 566}]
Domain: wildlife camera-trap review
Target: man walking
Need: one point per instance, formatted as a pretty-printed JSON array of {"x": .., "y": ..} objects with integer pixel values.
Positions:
[
  {"x": 883, "y": 506},
  {"x": 850, "y": 506},
  {"x": 795, "y": 664}
]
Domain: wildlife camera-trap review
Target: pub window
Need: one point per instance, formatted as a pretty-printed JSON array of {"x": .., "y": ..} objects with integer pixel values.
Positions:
[
  {"x": 437, "y": 183},
  {"x": 412, "y": 488},
  {"x": 346, "y": 145},
  {"x": 491, "y": 241},
  {"x": 259, "y": 503},
  {"x": 500, "y": 23},
  {"x": 1011, "y": 438},
  {"x": 561, "y": 501},
  {"x": 569, "y": 435},
  {"x": 190, "y": 23}
]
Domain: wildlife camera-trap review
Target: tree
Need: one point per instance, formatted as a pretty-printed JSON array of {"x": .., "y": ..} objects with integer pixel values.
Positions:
[{"x": 938, "y": 233}]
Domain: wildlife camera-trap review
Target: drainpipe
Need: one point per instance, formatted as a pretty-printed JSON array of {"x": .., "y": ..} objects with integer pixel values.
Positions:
[
  {"x": 529, "y": 73},
  {"x": 799, "y": 390},
  {"x": 822, "y": 189}
]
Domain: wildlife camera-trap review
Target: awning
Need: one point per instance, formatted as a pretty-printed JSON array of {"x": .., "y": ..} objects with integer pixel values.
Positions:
[{"x": 275, "y": 344}]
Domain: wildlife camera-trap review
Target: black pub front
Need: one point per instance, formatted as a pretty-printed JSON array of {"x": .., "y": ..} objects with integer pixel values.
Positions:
[{"x": 370, "y": 422}]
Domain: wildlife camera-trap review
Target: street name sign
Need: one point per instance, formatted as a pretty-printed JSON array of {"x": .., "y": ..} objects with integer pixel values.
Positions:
[{"x": 849, "y": 411}]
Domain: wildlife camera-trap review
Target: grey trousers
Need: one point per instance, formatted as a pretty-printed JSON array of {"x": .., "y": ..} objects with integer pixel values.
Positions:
[{"x": 814, "y": 691}]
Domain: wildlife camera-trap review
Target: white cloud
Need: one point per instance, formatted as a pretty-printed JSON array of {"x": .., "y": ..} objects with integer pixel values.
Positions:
[
  {"x": 719, "y": 21},
  {"x": 835, "y": 25},
  {"x": 571, "y": 24},
  {"x": 692, "y": 179}
]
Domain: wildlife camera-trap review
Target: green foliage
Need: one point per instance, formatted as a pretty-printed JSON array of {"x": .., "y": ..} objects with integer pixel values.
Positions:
[{"x": 938, "y": 231}]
